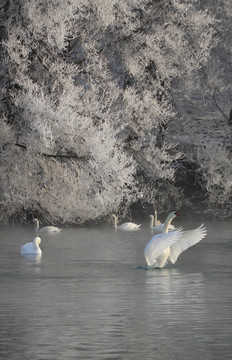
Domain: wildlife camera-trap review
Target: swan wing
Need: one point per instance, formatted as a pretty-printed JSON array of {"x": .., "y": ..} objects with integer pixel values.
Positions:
[
  {"x": 159, "y": 243},
  {"x": 49, "y": 229},
  {"x": 188, "y": 238},
  {"x": 27, "y": 248}
]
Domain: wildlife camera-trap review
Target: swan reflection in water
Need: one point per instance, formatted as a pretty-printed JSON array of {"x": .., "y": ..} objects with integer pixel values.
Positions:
[
  {"x": 32, "y": 262},
  {"x": 32, "y": 258},
  {"x": 176, "y": 295}
]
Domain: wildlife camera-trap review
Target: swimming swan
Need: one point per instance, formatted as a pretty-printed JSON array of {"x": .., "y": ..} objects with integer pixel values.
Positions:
[
  {"x": 32, "y": 248},
  {"x": 169, "y": 245},
  {"x": 46, "y": 229},
  {"x": 157, "y": 226},
  {"x": 125, "y": 226}
]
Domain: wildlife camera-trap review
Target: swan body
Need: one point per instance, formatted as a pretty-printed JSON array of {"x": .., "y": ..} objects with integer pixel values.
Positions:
[
  {"x": 169, "y": 245},
  {"x": 46, "y": 229},
  {"x": 32, "y": 248},
  {"x": 125, "y": 226},
  {"x": 156, "y": 224}
]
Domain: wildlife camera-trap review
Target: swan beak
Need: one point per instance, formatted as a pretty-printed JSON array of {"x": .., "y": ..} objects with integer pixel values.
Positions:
[{"x": 178, "y": 213}]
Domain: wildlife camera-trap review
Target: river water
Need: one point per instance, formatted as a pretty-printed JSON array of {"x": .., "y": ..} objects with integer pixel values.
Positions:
[{"x": 90, "y": 296}]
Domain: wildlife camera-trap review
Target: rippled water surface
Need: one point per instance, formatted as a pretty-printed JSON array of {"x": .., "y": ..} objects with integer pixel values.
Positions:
[{"x": 90, "y": 297}]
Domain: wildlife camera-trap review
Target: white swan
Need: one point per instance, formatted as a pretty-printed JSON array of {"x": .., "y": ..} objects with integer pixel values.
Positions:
[
  {"x": 46, "y": 229},
  {"x": 156, "y": 224},
  {"x": 169, "y": 245},
  {"x": 125, "y": 226},
  {"x": 32, "y": 248}
]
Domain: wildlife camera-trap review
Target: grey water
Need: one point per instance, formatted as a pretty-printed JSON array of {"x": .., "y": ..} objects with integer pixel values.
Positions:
[{"x": 90, "y": 296}]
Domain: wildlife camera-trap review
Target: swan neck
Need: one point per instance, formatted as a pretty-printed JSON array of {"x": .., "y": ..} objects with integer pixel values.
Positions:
[
  {"x": 151, "y": 221},
  {"x": 168, "y": 222},
  {"x": 36, "y": 242},
  {"x": 36, "y": 224},
  {"x": 115, "y": 221},
  {"x": 155, "y": 219}
]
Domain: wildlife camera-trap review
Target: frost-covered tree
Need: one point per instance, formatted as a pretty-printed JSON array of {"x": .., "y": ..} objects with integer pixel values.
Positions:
[
  {"x": 215, "y": 165},
  {"x": 205, "y": 113},
  {"x": 218, "y": 75},
  {"x": 91, "y": 95}
]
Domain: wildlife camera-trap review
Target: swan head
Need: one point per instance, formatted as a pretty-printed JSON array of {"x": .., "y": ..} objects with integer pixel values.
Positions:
[
  {"x": 177, "y": 213},
  {"x": 151, "y": 216},
  {"x": 173, "y": 214}
]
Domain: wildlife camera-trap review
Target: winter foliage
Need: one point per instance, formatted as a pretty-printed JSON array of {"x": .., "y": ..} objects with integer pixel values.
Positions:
[{"x": 92, "y": 96}]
